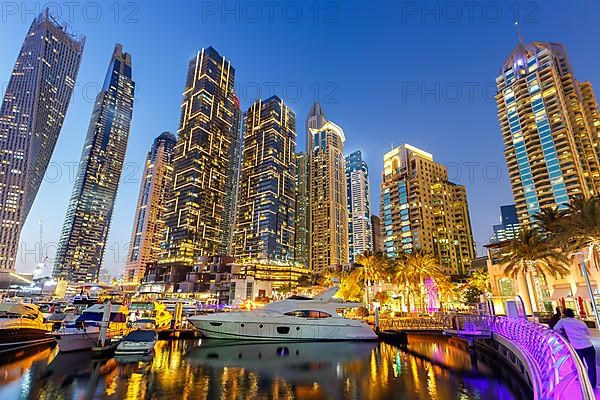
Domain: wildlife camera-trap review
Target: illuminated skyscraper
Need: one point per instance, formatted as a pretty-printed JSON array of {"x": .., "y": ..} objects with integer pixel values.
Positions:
[
  {"x": 31, "y": 117},
  {"x": 360, "y": 237},
  {"x": 302, "y": 237},
  {"x": 422, "y": 209},
  {"x": 149, "y": 226},
  {"x": 509, "y": 227},
  {"x": 266, "y": 205},
  {"x": 550, "y": 126},
  {"x": 376, "y": 234},
  {"x": 197, "y": 208},
  {"x": 328, "y": 204},
  {"x": 85, "y": 230},
  {"x": 315, "y": 120}
]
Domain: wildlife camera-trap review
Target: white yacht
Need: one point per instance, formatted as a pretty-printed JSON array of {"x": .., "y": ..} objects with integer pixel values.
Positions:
[
  {"x": 21, "y": 325},
  {"x": 83, "y": 333},
  {"x": 144, "y": 312},
  {"x": 297, "y": 318},
  {"x": 138, "y": 342}
]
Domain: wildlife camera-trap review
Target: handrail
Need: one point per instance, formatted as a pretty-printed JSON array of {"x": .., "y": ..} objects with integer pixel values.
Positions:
[{"x": 559, "y": 373}]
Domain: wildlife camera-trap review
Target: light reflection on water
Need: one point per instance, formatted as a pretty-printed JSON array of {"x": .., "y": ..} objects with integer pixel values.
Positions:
[{"x": 209, "y": 369}]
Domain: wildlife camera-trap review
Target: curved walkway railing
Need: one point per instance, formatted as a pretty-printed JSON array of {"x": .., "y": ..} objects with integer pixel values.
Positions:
[{"x": 558, "y": 372}]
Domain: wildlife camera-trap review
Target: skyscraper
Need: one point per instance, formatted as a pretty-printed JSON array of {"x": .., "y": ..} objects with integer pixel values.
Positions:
[
  {"x": 31, "y": 117},
  {"x": 266, "y": 205},
  {"x": 550, "y": 126},
  {"x": 148, "y": 225},
  {"x": 508, "y": 228},
  {"x": 315, "y": 120},
  {"x": 376, "y": 233},
  {"x": 328, "y": 203},
  {"x": 422, "y": 209},
  {"x": 302, "y": 237},
  {"x": 360, "y": 237},
  {"x": 197, "y": 209},
  {"x": 87, "y": 222}
]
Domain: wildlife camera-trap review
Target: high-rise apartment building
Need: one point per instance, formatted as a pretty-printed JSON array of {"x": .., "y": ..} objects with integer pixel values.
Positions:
[
  {"x": 302, "y": 236},
  {"x": 422, "y": 209},
  {"x": 509, "y": 227},
  {"x": 87, "y": 222},
  {"x": 148, "y": 225},
  {"x": 198, "y": 209},
  {"x": 550, "y": 127},
  {"x": 328, "y": 198},
  {"x": 360, "y": 237},
  {"x": 267, "y": 187},
  {"x": 376, "y": 233},
  {"x": 31, "y": 117}
]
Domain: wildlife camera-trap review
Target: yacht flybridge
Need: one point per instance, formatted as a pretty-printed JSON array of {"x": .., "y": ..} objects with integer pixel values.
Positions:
[{"x": 294, "y": 319}]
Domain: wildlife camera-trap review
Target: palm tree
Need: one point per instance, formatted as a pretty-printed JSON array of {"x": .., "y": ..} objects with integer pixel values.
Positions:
[
  {"x": 374, "y": 268},
  {"x": 480, "y": 279},
  {"x": 413, "y": 268},
  {"x": 550, "y": 222},
  {"x": 582, "y": 226},
  {"x": 531, "y": 255}
]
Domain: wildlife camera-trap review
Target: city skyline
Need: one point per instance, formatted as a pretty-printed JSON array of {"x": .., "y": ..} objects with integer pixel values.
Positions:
[{"x": 446, "y": 156}]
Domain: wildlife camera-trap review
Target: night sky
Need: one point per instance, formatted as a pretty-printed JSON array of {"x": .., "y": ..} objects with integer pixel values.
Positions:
[{"x": 388, "y": 72}]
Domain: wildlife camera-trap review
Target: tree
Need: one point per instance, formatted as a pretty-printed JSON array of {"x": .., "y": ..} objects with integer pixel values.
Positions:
[
  {"x": 373, "y": 268},
  {"x": 471, "y": 295},
  {"x": 582, "y": 226},
  {"x": 413, "y": 268},
  {"x": 550, "y": 222},
  {"x": 480, "y": 279},
  {"x": 531, "y": 255}
]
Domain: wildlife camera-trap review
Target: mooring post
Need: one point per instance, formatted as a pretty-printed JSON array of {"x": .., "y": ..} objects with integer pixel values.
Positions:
[{"x": 376, "y": 319}]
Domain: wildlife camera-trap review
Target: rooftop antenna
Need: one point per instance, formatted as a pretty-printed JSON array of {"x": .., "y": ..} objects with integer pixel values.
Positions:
[{"x": 519, "y": 32}]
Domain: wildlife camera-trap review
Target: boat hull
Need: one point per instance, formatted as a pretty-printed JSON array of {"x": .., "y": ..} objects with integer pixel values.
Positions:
[
  {"x": 76, "y": 341},
  {"x": 17, "y": 338},
  {"x": 134, "y": 348}
]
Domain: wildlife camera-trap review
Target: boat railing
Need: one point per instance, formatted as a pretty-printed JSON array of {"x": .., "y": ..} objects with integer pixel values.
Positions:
[{"x": 18, "y": 321}]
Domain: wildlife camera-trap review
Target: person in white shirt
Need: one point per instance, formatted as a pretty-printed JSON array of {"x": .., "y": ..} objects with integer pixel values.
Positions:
[{"x": 578, "y": 334}]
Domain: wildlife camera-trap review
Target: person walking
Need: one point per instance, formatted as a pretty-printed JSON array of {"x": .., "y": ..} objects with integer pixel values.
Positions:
[
  {"x": 578, "y": 334},
  {"x": 555, "y": 318}
]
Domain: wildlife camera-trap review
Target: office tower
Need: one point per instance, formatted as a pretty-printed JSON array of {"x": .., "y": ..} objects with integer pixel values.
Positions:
[
  {"x": 376, "y": 233},
  {"x": 328, "y": 205},
  {"x": 232, "y": 183},
  {"x": 87, "y": 222},
  {"x": 148, "y": 225},
  {"x": 422, "y": 209},
  {"x": 360, "y": 237},
  {"x": 302, "y": 238},
  {"x": 197, "y": 208},
  {"x": 266, "y": 205},
  {"x": 550, "y": 127},
  {"x": 508, "y": 228},
  {"x": 315, "y": 120},
  {"x": 31, "y": 117}
]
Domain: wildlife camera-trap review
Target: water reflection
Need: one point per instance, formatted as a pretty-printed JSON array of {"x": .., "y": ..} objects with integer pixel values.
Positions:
[{"x": 210, "y": 369}]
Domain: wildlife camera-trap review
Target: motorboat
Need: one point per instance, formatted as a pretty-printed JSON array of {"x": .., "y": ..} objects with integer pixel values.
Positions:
[
  {"x": 83, "y": 333},
  {"x": 22, "y": 325},
  {"x": 296, "y": 318},
  {"x": 138, "y": 342},
  {"x": 143, "y": 312}
]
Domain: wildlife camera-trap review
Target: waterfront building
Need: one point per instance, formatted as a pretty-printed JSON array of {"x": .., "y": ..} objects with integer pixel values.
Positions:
[
  {"x": 87, "y": 222},
  {"x": 328, "y": 203},
  {"x": 421, "y": 209},
  {"x": 509, "y": 226},
  {"x": 302, "y": 236},
  {"x": 267, "y": 187},
  {"x": 31, "y": 117},
  {"x": 148, "y": 225},
  {"x": 550, "y": 126},
  {"x": 376, "y": 234},
  {"x": 198, "y": 207},
  {"x": 360, "y": 239}
]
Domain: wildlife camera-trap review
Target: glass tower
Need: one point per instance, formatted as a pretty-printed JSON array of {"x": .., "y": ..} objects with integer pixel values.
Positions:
[
  {"x": 302, "y": 236},
  {"x": 31, "y": 117},
  {"x": 266, "y": 204},
  {"x": 87, "y": 222},
  {"x": 149, "y": 225},
  {"x": 509, "y": 227},
  {"x": 550, "y": 127},
  {"x": 360, "y": 237}
]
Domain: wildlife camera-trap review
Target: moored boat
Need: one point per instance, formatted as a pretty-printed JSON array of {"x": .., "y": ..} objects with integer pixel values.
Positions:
[
  {"x": 138, "y": 341},
  {"x": 153, "y": 312},
  {"x": 21, "y": 325}
]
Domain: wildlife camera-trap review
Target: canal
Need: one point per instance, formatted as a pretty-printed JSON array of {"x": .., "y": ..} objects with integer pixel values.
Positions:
[{"x": 209, "y": 369}]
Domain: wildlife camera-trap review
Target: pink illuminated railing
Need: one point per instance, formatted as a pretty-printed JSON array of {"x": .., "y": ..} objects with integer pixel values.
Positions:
[{"x": 556, "y": 370}]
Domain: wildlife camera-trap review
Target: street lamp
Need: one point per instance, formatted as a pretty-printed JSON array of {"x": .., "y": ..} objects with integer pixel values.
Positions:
[{"x": 589, "y": 286}]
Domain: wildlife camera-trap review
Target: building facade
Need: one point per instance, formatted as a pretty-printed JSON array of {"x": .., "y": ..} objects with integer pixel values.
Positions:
[
  {"x": 87, "y": 222},
  {"x": 265, "y": 225},
  {"x": 377, "y": 234},
  {"x": 550, "y": 127},
  {"x": 328, "y": 198},
  {"x": 148, "y": 225},
  {"x": 197, "y": 207},
  {"x": 302, "y": 236},
  {"x": 422, "y": 209},
  {"x": 31, "y": 117},
  {"x": 360, "y": 238},
  {"x": 509, "y": 227}
]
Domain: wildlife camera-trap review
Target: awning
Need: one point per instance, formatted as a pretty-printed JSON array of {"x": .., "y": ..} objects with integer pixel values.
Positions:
[
  {"x": 560, "y": 292},
  {"x": 582, "y": 291}
]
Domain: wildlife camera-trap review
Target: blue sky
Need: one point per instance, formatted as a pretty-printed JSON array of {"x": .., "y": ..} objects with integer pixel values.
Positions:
[{"x": 418, "y": 72}]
